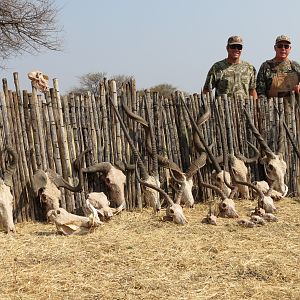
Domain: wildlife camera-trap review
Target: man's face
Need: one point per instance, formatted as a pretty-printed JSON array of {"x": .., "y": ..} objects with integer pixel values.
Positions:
[
  {"x": 282, "y": 49},
  {"x": 234, "y": 51}
]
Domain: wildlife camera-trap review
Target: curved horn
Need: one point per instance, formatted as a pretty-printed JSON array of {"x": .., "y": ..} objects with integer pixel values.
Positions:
[
  {"x": 136, "y": 154},
  {"x": 196, "y": 165},
  {"x": 12, "y": 167},
  {"x": 134, "y": 116},
  {"x": 200, "y": 120},
  {"x": 292, "y": 139},
  {"x": 252, "y": 159},
  {"x": 223, "y": 137},
  {"x": 59, "y": 181},
  {"x": 260, "y": 193},
  {"x": 152, "y": 135},
  {"x": 99, "y": 167},
  {"x": 152, "y": 186},
  {"x": 215, "y": 188},
  {"x": 207, "y": 149},
  {"x": 163, "y": 161},
  {"x": 281, "y": 144},
  {"x": 259, "y": 137}
]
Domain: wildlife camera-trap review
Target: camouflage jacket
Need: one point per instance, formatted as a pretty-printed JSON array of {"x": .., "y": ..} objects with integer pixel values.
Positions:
[
  {"x": 231, "y": 79},
  {"x": 267, "y": 71}
]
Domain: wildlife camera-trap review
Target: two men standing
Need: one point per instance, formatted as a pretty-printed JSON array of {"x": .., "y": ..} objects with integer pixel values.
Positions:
[{"x": 276, "y": 77}]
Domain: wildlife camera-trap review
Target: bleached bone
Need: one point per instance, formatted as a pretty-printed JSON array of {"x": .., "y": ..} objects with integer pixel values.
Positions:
[
  {"x": 6, "y": 197},
  {"x": 100, "y": 202},
  {"x": 275, "y": 166},
  {"x": 265, "y": 202},
  {"x": 68, "y": 224},
  {"x": 174, "y": 210},
  {"x": 269, "y": 217},
  {"x": 39, "y": 80},
  {"x": 152, "y": 195},
  {"x": 46, "y": 185},
  {"x": 245, "y": 223},
  {"x": 114, "y": 179},
  {"x": 187, "y": 177},
  {"x": 257, "y": 220},
  {"x": 218, "y": 170},
  {"x": 268, "y": 191},
  {"x": 227, "y": 205}
]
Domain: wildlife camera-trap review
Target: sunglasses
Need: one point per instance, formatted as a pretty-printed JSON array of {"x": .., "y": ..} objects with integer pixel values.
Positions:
[
  {"x": 285, "y": 46},
  {"x": 236, "y": 46}
]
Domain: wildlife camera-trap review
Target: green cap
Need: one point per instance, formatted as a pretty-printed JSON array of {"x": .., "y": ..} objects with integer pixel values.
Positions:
[
  {"x": 283, "y": 38},
  {"x": 235, "y": 40}
]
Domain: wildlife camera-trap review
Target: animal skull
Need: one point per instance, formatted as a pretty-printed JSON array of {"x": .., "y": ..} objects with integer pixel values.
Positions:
[{"x": 39, "y": 80}]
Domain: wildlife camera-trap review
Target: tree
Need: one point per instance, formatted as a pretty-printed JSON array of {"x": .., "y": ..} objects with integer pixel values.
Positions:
[
  {"x": 164, "y": 90},
  {"x": 120, "y": 80},
  {"x": 28, "y": 26},
  {"x": 90, "y": 82}
]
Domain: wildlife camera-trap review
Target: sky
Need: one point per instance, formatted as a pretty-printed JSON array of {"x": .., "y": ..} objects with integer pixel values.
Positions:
[{"x": 158, "y": 41}]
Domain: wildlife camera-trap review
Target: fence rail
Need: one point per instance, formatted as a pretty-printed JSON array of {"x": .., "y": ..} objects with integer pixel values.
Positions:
[{"x": 49, "y": 131}]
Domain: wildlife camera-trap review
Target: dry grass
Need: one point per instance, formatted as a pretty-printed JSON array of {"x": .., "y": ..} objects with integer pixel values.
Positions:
[{"x": 137, "y": 256}]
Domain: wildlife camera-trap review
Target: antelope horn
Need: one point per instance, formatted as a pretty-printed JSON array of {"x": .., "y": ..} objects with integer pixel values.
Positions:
[
  {"x": 152, "y": 186},
  {"x": 207, "y": 149},
  {"x": 260, "y": 193},
  {"x": 134, "y": 116},
  {"x": 136, "y": 154},
  {"x": 165, "y": 162},
  {"x": 179, "y": 191},
  {"x": 12, "y": 167},
  {"x": 252, "y": 159},
  {"x": 281, "y": 144},
  {"x": 99, "y": 167},
  {"x": 59, "y": 181},
  {"x": 196, "y": 165},
  {"x": 292, "y": 139},
  {"x": 200, "y": 120},
  {"x": 259, "y": 137},
  {"x": 152, "y": 135},
  {"x": 150, "y": 139},
  {"x": 215, "y": 188}
]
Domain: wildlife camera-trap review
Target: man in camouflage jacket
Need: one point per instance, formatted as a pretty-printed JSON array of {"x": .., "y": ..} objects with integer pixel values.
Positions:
[
  {"x": 279, "y": 76},
  {"x": 231, "y": 75}
]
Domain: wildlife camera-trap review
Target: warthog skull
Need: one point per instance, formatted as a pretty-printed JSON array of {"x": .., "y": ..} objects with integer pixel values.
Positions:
[{"x": 67, "y": 223}]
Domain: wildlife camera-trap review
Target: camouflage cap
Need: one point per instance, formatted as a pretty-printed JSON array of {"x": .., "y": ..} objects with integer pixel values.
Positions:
[
  {"x": 283, "y": 38},
  {"x": 235, "y": 40}
]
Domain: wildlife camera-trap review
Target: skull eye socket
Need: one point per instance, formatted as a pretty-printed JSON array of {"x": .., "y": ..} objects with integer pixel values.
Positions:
[
  {"x": 171, "y": 210},
  {"x": 270, "y": 167},
  {"x": 223, "y": 205}
]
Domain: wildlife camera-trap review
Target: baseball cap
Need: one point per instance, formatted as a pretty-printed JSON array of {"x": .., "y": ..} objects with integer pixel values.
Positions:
[
  {"x": 283, "y": 38},
  {"x": 235, "y": 40}
]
